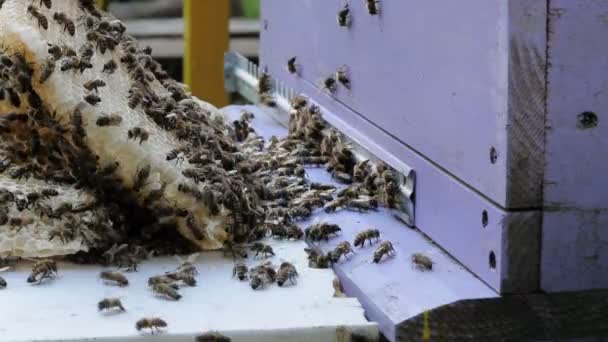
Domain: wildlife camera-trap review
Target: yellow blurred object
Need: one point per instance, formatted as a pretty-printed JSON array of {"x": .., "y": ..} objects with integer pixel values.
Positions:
[
  {"x": 206, "y": 39},
  {"x": 103, "y": 4}
]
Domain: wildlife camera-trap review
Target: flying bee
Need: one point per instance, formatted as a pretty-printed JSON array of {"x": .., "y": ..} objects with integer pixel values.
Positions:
[
  {"x": 154, "y": 324},
  {"x": 110, "y": 67},
  {"x": 422, "y": 262},
  {"x": 47, "y": 70},
  {"x": 166, "y": 290},
  {"x": 110, "y": 303},
  {"x": 342, "y": 76},
  {"x": 365, "y": 235},
  {"x": 138, "y": 132},
  {"x": 47, "y": 3},
  {"x": 42, "y": 20},
  {"x": 240, "y": 270},
  {"x": 94, "y": 85},
  {"x": 114, "y": 277},
  {"x": 141, "y": 176},
  {"x": 343, "y": 248},
  {"x": 212, "y": 336},
  {"x": 344, "y": 17},
  {"x": 372, "y": 7},
  {"x": 109, "y": 120},
  {"x": 46, "y": 269},
  {"x": 385, "y": 248},
  {"x": 68, "y": 25},
  {"x": 92, "y": 99},
  {"x": 329, "y": 83},
  {"x": 263, "y": 249},
  {"x": 287, "y": 271},
  {"x": 292, "y": 65}
]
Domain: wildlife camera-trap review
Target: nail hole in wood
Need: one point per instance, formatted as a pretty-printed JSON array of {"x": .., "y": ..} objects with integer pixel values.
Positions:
[
  {"x": 492, "y": 260},
  {"x": 587, "y": 120},
  {"x": 493, "y": 155},
  {"x": 484, "y": 218}
]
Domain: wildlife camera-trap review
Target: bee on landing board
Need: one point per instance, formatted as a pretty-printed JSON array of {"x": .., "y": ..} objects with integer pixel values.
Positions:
[
  {"x": 366, "y": 235},
  {"x": 110, "y": 303},
  {"x": 422, "y": 262},
  {"x": 154, "y": 324},
  {"x": 114, "y": 277},
  {"x": 212, "y": 336},
  {"x": 385, "y": 248},
  {"x": 287, "y": 272}
]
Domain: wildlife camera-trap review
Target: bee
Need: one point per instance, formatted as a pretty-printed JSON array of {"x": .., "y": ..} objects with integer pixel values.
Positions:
[
  {"x": 68, "y": 24},
  {"x": 363, "y": 204},
  {"x": 46, "y": 269},
  {"x": 287, "y": 271},
  {"x": 361, "y": 170},
  {"x": 261, "y": 279},
  {"x": 177, "y": 154},
  {"x": 20, "y": 222},
  {"x": 110, "y": 303},
  {"x": 321, "y": 186},
  {"x": 14, "y": 98},
  {"x": 154, "y": 324},
  {"x": 186, "y": 277},
  {"x": 94, "y": 85},
  {"x": 47, "y": 3},
  {"x": 422, "y": 262},
  {"x": 109, "y": 120},
  {"x": 212, "y": 336},
  {"x": 372, "y": 7},
  {"x": 141, "y": 176},
  {"x": 110, "y": 67},
  {"x": 321, "y": 231},
  {"x": 135, "y": 99},
  {"x": 329, "y": 83},
  {"x": 365, "y": 235},
  {"x": 47, "y": 70},
  {"x": 138, "y": 132},
  {"x": 166, "y": 290},
  {"x": 292, "y": 65},
  {"x": 344, "y": 17},
  {"x": 3, "y": 283},
  {"x": 299, "y": 212},
  {"x": 115, "y": 277},
  {"x": 240, "y": 270},
  {"x": 92, "y": 99},
  {"x": 263, "y": 249},
  {"x": 343, "y": 248},
  {"x": 385, "y": 248},
  {"x": 162, "y": 279},
  {"x": 342, "y": 76},
  {"x": 42, "y": 20},
  {"x": 70, "y": 63},
  {"x": 316, "y": 258},
  {"x": 55, "y": 51},
  {"x": 294, "y": 232},
  {"x": 46, "y": 193},
  {"x": 264, "y": 84}
]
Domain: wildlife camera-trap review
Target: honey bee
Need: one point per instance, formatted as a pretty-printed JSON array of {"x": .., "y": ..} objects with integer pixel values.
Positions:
[
  {"x": 263, "y": 249},
  {"x": 342, "y": 177},
  {"x": 68, "y": 24},
  {"x": 299, "y": 212},
  {"x": 229, "y": 248},
  {"x": 110, "y": 67},
  {"x": 42, "y": 20},
  {"x": 385, "y": 248},
  {"x": 329, "y": 83},
  {"x": 372, "y": 7},
  {"x": 46, "y": 269},
  {"x": 361, "y": 170},
  {"x": 166, "y": 290},
  {"x": 70, "y": 63},
  {"x": 141, "y": 176},
  {"x": 3, "y": 283},
  {"x": 212, "y": 336},
  {"x": 344, "y": 17},
  {"x": 109, "y": 120},
  {"x": 264, "y": 84},
  {"x": 110, "y": 303},
  {"x": 292, "y": 65},
  {"x": 365, "y": 235},
  {"x": 321, "y": 186},
  {"x": 135, "y": 99},
  {"x": 342, "y": 76},
  {"x": 261, "y": 279},
  {"x": 94, "y": 85},
  {"x": 55, "y": 51},
  {"x": 47, "y": 70},
  {"x": 92, "y": 99},
  {"x": 177, "y": 154},
  {"x": 343, "y": 248},
  {"x": 138, "y": 132},
  {"x": 115, "y": 277},
  {"x": 240, "y": 270},
  {"x": 294, "y": 232},
  {"x": 422, "y": 262},
  {"x": 46, "y": 193},
  {"x": 154, "y": 324},
  {"x": 162, "y": 279},
  {"x": 287, "y": 271},
  {"x": 316, "y": 258},
  {"x": 184, "y": 276},
  {"x": 364, "y": 204},
  {"x": 20, "y": 222},
  {"x": 321, "y": 231}
]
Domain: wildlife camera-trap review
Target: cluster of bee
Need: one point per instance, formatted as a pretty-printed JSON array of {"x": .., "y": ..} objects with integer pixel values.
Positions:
[{"x": 265, "y": 274}]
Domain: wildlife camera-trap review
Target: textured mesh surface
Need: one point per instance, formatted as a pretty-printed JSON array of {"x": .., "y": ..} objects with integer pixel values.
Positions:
[{"x": 64, "y": 91}]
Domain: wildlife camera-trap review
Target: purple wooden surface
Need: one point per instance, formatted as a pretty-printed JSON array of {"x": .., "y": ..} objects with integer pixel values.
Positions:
[
  {"x": 575, "y": 254},
  {"x": 576, "y": 176},
  {"x": 429, "y": 73},
  {"x": 575, "y": 227},
  {"x": 393, "y": 290}
]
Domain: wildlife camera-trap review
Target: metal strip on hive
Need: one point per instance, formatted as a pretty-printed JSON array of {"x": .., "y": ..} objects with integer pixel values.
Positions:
[{"x": 241, "y": 76}]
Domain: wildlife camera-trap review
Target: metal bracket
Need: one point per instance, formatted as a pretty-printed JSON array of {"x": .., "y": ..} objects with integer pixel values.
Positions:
[{"x": 241, "y": 76}]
